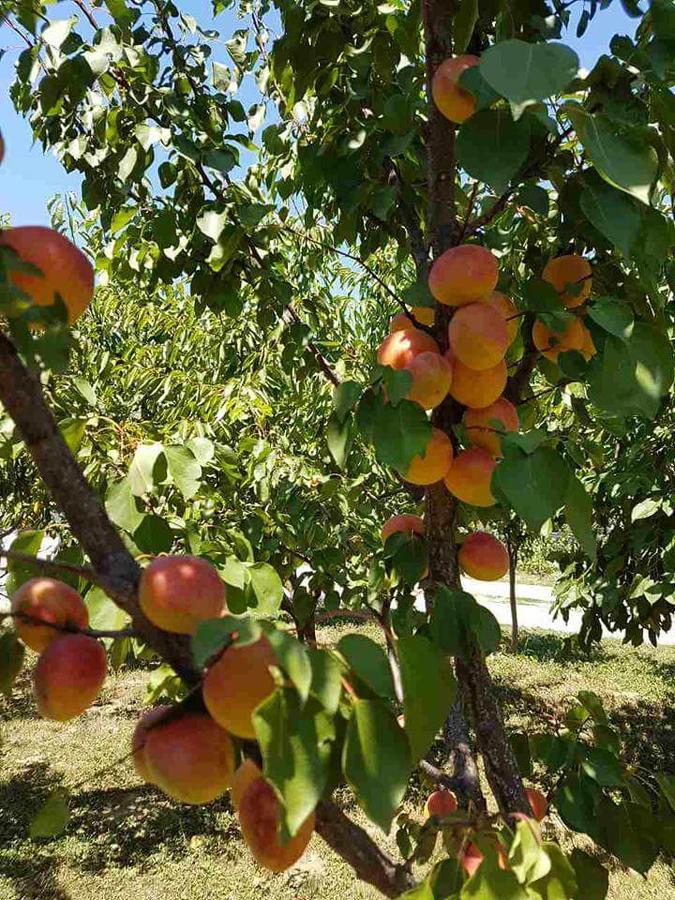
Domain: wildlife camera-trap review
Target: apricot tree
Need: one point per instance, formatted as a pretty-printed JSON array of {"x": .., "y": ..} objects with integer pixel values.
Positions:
[{"x": 514, "y": 209}]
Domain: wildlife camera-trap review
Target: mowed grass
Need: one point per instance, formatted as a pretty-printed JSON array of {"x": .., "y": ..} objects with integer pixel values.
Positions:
[{"x": 125, "y": 841}]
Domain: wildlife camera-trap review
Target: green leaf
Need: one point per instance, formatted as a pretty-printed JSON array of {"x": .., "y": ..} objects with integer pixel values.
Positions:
[
  {"x": 295, "y": 746},
  {"x": 472, "y": 80},
  {"x": 184, "y": 470},
  {"x": 12, "y": 653},
  {"x": 428, "y": 691},
  {"x": 463, "y": 24},
  {"x": 574, "y": 801},
  {"x": 620, "y": 157},
  {"x": 624, "y": 833},
  {"x": 369, "y": 662},
  {"x": 591, "y": 874},
  {"x": 85, "y": 390},
  {"x": 376, "y": 760},
  {"x": 345, "y": 397},
  {"x": 400, "y": 433},
  {"x": 520, "y": 744},
  {"x": 603, "y": 767},
  {"x": 123, "y": 15},
  {"x": 579, "y": 515},
  {"x": 535, "y": 485},
  {"x": 667, "y": 785},
  {"x": 104, "y": 613},
  {"x": 202, "y": 449},
  {"x": 293, "y": 659},
  {"x": 409, "y": 556},
  {"x": 560, "y": 882},
  {"x": 491, "y": 147},
  {"x": 326, "y": 683},
  {"x": 51, "y": 820},
  {"x": 535, "y": 197},
  {"x": 120, "y": 504},
  {"x": 153, "y": 535},
  {"x": 528, "y": 859},
  {"x": 339, "y": 439},
  {"x": 397, "y": 383},
  {"x": 56, "y": 32},
  {"x": 645, "y": 509},
  {"x": 524, "y": 72},
  {"x": 612, "y": 213},
  {"x": 122, "y": 218},
  {"x": 143, "y": 471},
  {"x": 458, "y": 620},
  {"x": 593, "y": 704},
  {"x": 490, "y": 881},
  {"x": 267, "y": 588},
  {"x": 222, "y": 161},
  {"x": 212, "y": 223},
  {"x": 213, "y": 635},
  {"x": 614, "y": 316},
  {"x": 72, "y": 432}
]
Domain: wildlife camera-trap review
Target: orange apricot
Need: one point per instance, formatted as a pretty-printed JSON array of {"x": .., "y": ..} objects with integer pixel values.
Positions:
[
  {"x": 247, "y": 773},
  {"x": 476, "y": 389},
  {"x": 440, "y": 803},
  {"x": 470, "y": 476},
  {"x": 407, "y": 522},
  {"x": 399, "y": 349},
  {"x": 149, "y": 719},
  {"x": 551, "y": 343},
  {"x": 483, "y": 556},
  {"x": 472, "y": 857},
  {"x": 430, "y": 466},
  {"x": 508, "y": 309},
  {"x": 478, "y": 336},
  {"x": 564, "y": 271},
  {"x": 463, "y": 274},
  {"x": 538, "y": 803},
  {"x": 453, "y": 101},
  {"x": 64, "y": 269},
  {"x": 422, "y": 314},
  {"x": 483, "y": 426},
  {"x": 178, "y": 592},
  {"x": 237, "y": 683},
  {"x": 68, "y": 676},
  {"x": 259, "y": 817},
  {"x": 190, "y": 758},
  {"x": 50, "y": 601},
  {"x": 431, "y": 378}
]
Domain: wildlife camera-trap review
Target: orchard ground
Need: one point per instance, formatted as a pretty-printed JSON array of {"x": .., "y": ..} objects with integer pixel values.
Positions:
[{"x": 125, "y": 838}]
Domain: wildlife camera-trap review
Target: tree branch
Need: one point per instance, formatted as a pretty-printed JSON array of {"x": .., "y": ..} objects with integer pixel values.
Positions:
[
  {"x": 322, "y": 362},
  {"x": 356, "y": 847},
  {"x": 48, "y": 566},
  {"x": 72, "y": 629}
]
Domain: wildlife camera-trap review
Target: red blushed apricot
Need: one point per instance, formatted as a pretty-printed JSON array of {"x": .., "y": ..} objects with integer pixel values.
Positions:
[
  {"x": 65, "y": 270},
  {"x": 178, "y": 592},
  {"x": 483, "y": 556},
  {"x": 471, "y": 858},
  {"x": 538, "y": 803},
  {"x": 190, "y": 758},
  {"x": 478, "y": 336},
  {"x": 455, "y": 102},
  {"x": 431, "y": 466},
  {"x": 463, "y": 274},
  {"x": 431, "y": 379},
  {"x": 408, "y": 523},
  {"x": 476, "y": 389},
  {"x": 259, "y": 816},
  {"x": 470, "y": 476},
  {"x": 399, "y": 349},
  {"x": 46, "y": 600},
  {"x": 246, "y": 774},
  {"x": 440, "y": 803},
  {"x": 238, "y": 682},
  {"x": 483, "y": 425},
  {"x": 552, "y": 343},
  {"x": 508, "y": 309},
  {"x": 68, "y": 676},
  {"x": 422, "y": 314},
  {"x": 564, "y": 271},
  {"x": 149, "y": 719},
  {"x": 588, "y": 348}
]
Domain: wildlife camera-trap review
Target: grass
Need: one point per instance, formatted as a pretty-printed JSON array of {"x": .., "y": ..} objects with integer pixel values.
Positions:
[{"x": 125, "y": 840}]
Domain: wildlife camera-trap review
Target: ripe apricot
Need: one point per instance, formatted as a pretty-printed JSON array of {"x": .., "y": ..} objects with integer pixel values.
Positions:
[
  {"x": 190, "y": 758},
  {"x": 64, "y": 268},
  {"x": 408, "y": 523},
  {"x": 470, "y": 476},
  {"x": 178, "y": 592},
  {"x": 564, "y": 271},
  {"x": 399, "y": 349},
  {"x": 478, "y": 336},
  {"x": 508, "y": 309},
  {"x": 238, "y": 682},
  {"x": 431, "y": 379},
  {"x": 430, "y": 466},
  {"x": 551, "y": 343},
  {"x": 483, "y": 426},
  {"x": 463, "y": 274},
  {"x": 68, "y": 676},
  {"x": 472, "y": 857},
  {"x": 440, "y": 803},
  {"x": 46, "y": 600},
  {"x": 147, "y": 721},
  {"x": 422, "y": 314},
  {"x": 245, "y": 775},
  {"x": 483, "y": 556},
  {"x": 259, "y": 816},
  {"x": 538, "y": 803},
  {"x": 476, "y": 389},
  {"x": 453, "y": 101}
]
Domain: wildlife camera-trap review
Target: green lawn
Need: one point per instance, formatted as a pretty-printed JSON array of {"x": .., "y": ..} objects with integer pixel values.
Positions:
[{"x": 127, "y": 841}]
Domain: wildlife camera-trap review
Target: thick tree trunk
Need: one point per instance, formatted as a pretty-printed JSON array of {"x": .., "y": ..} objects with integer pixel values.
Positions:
[{"x": 475, "y": 683}]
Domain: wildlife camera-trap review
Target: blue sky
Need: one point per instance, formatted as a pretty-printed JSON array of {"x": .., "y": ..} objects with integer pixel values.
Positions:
[{"x": 28, "y": 177}]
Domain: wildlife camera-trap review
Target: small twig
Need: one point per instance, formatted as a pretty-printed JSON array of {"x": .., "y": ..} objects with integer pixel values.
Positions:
[
  {"x": 72, "y": 629},
  {"x": 469, "y": 210},
  {"x": 48, "y": 566},
  {"x": 324, "y": 365}
]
